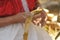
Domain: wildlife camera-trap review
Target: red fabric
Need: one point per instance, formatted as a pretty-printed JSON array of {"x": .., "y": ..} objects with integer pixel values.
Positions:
[{"x": 11, "y": 7}]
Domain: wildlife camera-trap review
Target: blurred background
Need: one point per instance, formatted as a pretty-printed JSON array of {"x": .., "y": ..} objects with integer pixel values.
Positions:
[{"x": 52, "y": 7}]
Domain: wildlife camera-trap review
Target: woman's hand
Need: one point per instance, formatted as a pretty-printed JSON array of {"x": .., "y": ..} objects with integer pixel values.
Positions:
[
  {"x": 37, "y": 19},
  {"x": 21, "y": 17},
  {"x": 18, "y": 18},
  {"x": 40, "y": 19}
]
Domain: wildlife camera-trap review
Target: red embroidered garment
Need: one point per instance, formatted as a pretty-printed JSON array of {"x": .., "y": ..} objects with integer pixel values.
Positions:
[{"x": 11, "y": 7}]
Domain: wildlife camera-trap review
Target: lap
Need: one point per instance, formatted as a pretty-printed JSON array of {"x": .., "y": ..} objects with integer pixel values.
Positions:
[
  {"x": 10, "y": 31},
  {"x": 15, "y": 32}
]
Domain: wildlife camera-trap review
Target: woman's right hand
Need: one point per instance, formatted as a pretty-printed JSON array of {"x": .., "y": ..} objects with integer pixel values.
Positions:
[
  {"x": 21, "y": 17},
  {"x": 18, "y": 18}
]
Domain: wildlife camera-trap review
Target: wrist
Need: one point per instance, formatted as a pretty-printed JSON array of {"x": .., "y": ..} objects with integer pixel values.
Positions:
[{"x": 19, "y": 18}]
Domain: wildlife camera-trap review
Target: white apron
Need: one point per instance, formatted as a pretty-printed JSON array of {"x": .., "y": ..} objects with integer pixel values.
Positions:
[{"x": 16, "y": 31}]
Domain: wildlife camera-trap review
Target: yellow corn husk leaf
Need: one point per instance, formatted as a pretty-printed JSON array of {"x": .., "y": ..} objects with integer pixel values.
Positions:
[
  {"x": 27, "y": 23},
  {"x": 25, "y": 36},
  {"x": 26, "y": 28}
]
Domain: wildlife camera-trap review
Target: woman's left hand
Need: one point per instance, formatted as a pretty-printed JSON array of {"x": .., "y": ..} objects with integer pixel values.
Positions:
[{"x": 40, "y": 18}]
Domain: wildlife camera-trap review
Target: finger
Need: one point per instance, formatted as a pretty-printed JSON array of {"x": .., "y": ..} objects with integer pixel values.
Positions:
[
  {"x": 37, "y": 16},
  {"x": 34, "y": 22}
]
